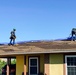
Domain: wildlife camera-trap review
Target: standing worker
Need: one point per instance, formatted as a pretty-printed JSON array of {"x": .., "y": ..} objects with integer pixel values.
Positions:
[
  {"x": 12, "y": 37},
  {"x": 73, "y": 32}
]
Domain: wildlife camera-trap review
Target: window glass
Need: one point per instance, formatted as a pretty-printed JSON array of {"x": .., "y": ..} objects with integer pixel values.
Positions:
[
  {"x": 33, "y": 70},
  {"x": 71, "y": 70},
  {"x": 33, "y": 62},
  {"x": 71, "y": 61}
]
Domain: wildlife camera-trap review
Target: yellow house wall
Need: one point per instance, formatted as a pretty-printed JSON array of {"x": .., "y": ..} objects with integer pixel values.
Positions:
[
  {"x": 42, "y": 63},
  {"x": 19, "y": 65},
  {"x": 56, "y": 64}
]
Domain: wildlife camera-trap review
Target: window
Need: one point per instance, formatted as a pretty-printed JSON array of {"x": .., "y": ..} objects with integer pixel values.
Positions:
[
  {"x": 70, "y": 64},
  {"x": 33, "y": 66}
]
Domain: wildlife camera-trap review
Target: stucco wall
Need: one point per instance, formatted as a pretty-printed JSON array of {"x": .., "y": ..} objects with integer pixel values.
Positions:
[
  {"x": 19, "y": 65},
  {"x": 56, "y": 64},
  {"x": 42, "y": 63}
]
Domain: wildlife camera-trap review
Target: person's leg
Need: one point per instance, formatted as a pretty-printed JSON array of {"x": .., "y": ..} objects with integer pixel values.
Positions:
[
  {"x": 10, "y": 42},
  {"x": 13, "y": 41},
  {"x": 75, "y": 36},
  {"x": 72, "y": 36}
]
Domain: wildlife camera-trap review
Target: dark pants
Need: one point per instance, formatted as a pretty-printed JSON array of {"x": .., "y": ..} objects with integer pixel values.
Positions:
[
  {"x": 73, "y": 38},
  {"x": 12, "y": 41}
]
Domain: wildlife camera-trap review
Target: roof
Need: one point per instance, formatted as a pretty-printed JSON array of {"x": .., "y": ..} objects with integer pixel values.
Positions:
[{"x": 39, "y": 47}]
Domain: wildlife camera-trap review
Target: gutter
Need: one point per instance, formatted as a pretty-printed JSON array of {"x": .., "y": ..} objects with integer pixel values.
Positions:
[{"x": 24, "y": 53}]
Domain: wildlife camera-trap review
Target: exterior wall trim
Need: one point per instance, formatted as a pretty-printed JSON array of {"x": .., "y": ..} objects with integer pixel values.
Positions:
[
  {"x": 24, "y": 65},
  {"x": 46, "y": 64}
]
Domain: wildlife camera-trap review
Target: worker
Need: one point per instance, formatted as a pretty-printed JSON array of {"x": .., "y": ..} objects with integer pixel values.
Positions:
[
  {"x": 73, "y": 34},
  {"x": 12, "y": 37}
]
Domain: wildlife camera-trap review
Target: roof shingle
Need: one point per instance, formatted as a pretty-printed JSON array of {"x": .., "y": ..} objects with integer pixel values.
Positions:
[{"x": 39, "y": 47}]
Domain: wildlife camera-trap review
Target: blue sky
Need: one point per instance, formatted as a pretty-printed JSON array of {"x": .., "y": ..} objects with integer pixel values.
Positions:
[{"x": 37, "y": 19}]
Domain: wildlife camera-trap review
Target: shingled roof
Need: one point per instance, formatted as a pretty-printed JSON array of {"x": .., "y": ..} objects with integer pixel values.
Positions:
[{"x": 39, "y": 47}]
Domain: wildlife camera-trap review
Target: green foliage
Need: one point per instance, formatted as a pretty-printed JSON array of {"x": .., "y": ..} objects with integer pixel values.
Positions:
[
  {"x": 13, "y": 61},
  {"x": 2, "y": 63}
]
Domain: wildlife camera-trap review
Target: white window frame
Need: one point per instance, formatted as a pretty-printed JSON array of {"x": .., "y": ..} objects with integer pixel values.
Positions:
[
  {"x": 37, "y": 64},
  {"x": 66, "y": 61}
]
